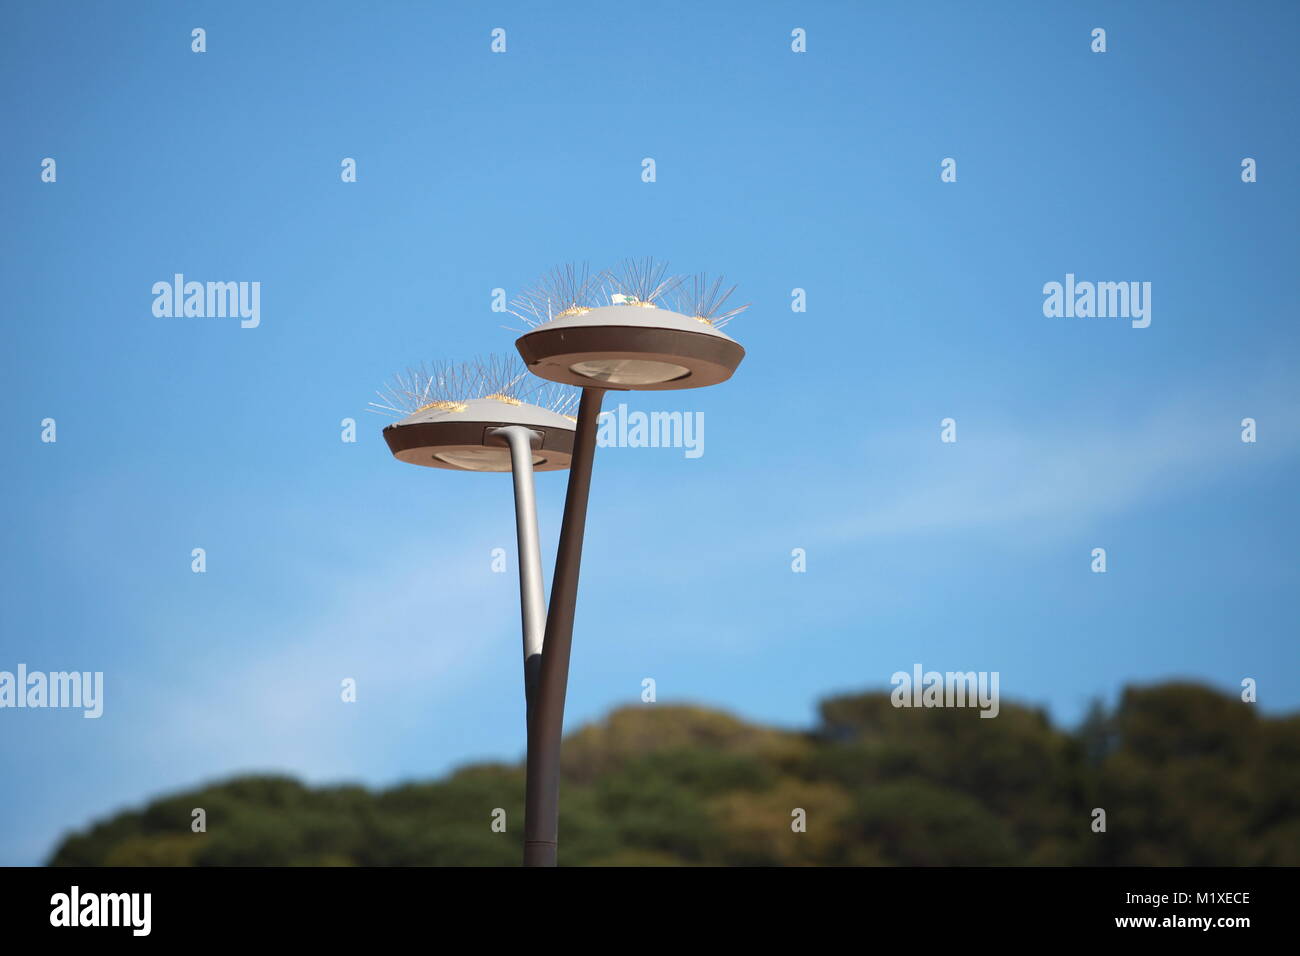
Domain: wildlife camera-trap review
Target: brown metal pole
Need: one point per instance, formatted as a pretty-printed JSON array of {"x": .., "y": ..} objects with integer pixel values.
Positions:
[{"x": 546, "y": 726}]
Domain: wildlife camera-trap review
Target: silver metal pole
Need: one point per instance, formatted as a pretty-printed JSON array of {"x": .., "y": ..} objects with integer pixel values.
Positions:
[{"x": 532, "y": 597}]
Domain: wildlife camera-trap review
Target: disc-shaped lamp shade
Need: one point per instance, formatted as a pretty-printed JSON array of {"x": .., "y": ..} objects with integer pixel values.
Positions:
[
  {"x": 458, "y": 435},
  {"x": 630, "y": 347}
]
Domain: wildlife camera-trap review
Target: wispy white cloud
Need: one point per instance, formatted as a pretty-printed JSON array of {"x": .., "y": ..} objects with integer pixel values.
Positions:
[
  {"x": 1062, "y": 472},
  {"x": 405, "y": 632}
]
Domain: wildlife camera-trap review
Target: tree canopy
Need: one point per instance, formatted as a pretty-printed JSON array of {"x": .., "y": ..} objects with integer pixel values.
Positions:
[{"x": 1186, "y": 776}]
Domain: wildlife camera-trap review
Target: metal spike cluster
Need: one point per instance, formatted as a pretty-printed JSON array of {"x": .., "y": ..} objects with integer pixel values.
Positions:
[
  {"x": 641, "y": 282},
  {"x": 569, "y": 289},
  {"x": 573, "y": 290},
  {"x": 449, "y": 386},
  {"x": 707, "y": 302}
]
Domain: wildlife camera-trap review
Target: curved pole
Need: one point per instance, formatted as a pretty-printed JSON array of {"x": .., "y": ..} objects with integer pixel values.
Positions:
[
  {"x": 532, "y": 598},
  {"x": 546, "y": 726}
]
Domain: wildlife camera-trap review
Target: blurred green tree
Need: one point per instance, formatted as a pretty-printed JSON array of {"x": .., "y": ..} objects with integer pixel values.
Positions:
[{"x": 1187, "y": 776}]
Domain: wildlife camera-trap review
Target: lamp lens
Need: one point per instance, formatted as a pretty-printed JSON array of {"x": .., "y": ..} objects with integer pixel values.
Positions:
[
  {"x": 629, "y": 371},
  {"x": 481, "y": 459}
]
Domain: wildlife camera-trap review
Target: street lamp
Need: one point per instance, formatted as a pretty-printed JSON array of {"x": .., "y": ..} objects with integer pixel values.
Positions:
[
  {"x": 607, "y": 332},
  {"x": 473, "y": 417}
]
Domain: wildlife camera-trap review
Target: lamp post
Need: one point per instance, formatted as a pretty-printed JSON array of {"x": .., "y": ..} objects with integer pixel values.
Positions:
[
  {"x": 472, "y": 418},
  {"x": 632, "y": 344}
]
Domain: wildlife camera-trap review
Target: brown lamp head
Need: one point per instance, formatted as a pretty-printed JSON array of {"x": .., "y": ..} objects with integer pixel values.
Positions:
[
  {"x": 450, "y": 414},
  {"x": 636, "y": 327},
  {"x": 460, "y": 437},
  {"x": 630, "y": 347}
]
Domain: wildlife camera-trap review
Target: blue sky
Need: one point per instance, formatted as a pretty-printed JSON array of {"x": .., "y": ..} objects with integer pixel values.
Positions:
[{"x": 476, "y": 171}]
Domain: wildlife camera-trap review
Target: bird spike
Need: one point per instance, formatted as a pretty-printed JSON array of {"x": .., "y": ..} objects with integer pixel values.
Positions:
[
  {"x": 569, "y": 289},
  {"x": 450, "y": 385},
  {"x": 705, "y": 301},
  {"x": 554, "y": 397},
  {"x": 640, "y": 282}
]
